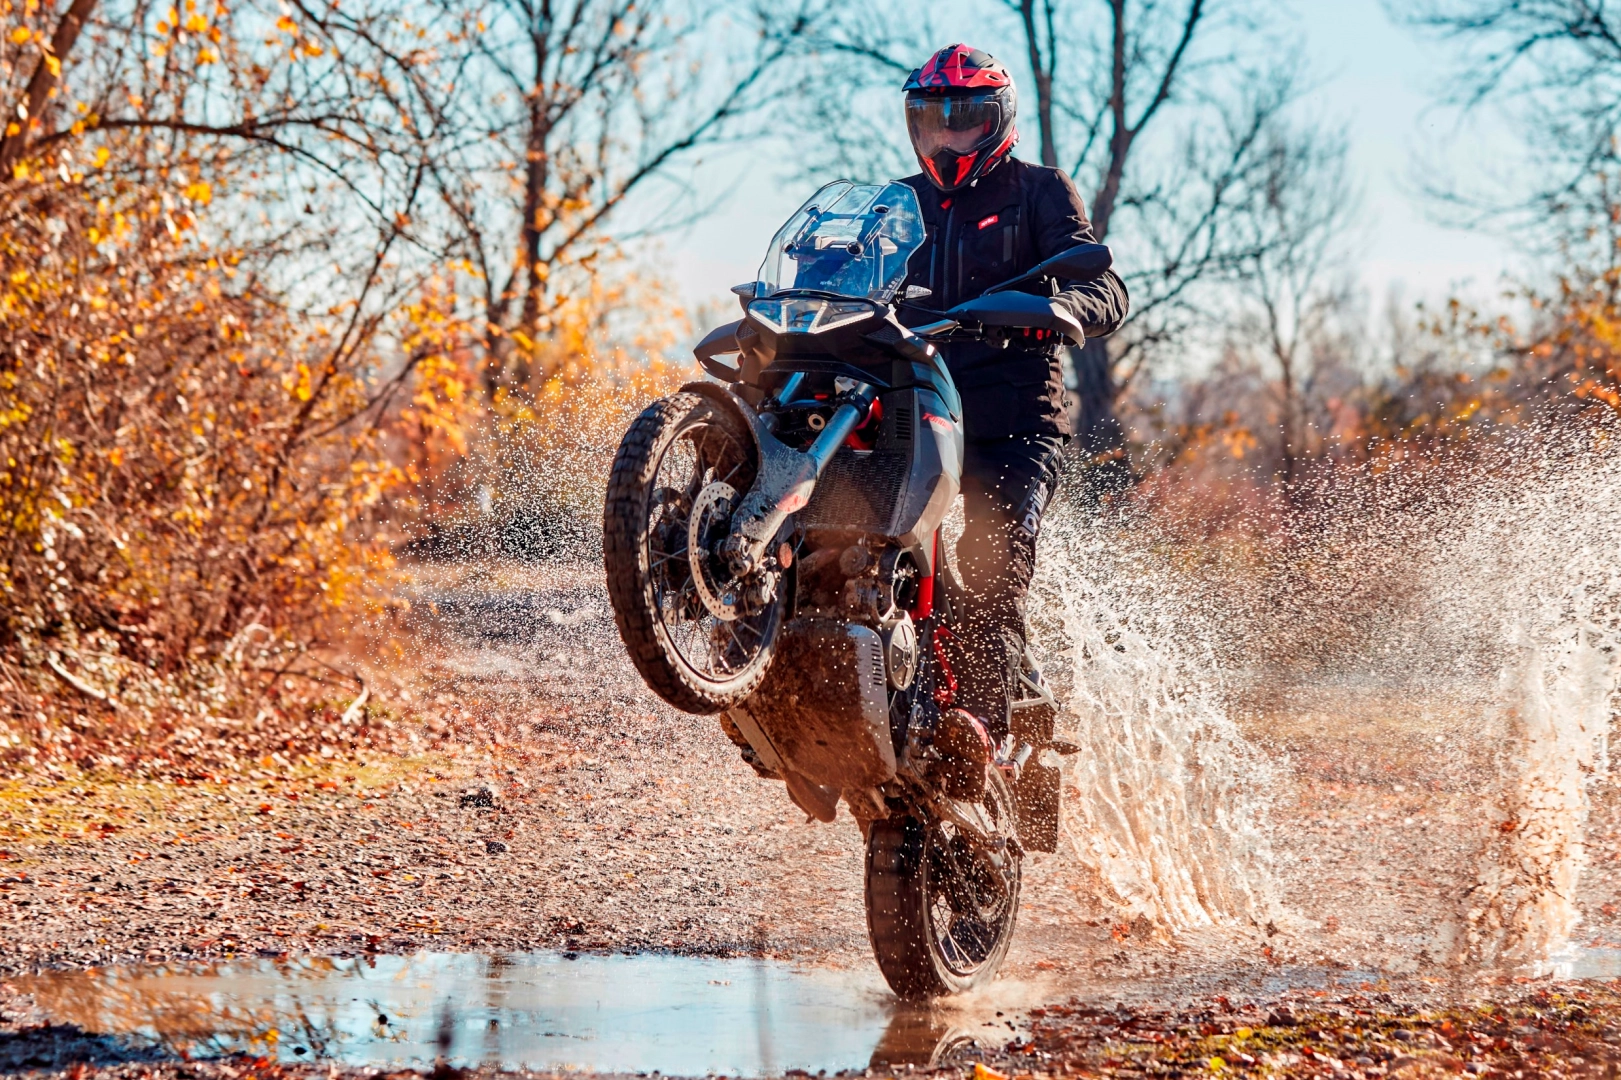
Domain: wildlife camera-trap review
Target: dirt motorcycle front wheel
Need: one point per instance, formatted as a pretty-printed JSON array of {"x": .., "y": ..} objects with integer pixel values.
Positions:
[
  {"x": 701, "y": 639},
  {"x": 941, "y": 910}
]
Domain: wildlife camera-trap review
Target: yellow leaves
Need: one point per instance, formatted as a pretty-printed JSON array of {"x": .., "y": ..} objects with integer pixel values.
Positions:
[
  {"x": 20, "y": 35},
  {"x": 1239, "y": 442},
  {"x": 19, "y": 171},
  {"x": 312, "y": 48},
  {"x": 53, "y": 65},
  {"x": 102, "y": 155},
  {"x": 200, "y": 192},
  {"x": 301, "y": 388},
  {"x": 286, "y": 25},
  {"x": 115, "y": 457}
]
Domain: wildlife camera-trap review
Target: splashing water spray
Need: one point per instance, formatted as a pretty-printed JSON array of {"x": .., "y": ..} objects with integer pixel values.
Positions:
[
  {"x": 1167, "y": 802},
  {"x": 1552, "y": 551},
  {"x": 1496, "y": 602}
]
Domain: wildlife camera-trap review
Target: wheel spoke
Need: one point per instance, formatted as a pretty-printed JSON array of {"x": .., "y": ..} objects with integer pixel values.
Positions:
[{"x": 664, "y": 557}]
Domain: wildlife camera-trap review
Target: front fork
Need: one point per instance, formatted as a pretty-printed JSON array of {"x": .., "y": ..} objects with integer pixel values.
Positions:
[{"x": 788, "y": 476}]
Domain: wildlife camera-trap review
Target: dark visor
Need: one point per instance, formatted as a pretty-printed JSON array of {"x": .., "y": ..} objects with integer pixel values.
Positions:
[{"x": 941, "y": 122}]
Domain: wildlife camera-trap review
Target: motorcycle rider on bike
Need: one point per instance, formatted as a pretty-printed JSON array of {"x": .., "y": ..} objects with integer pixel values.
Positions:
[{"x": 990, "y": 217}]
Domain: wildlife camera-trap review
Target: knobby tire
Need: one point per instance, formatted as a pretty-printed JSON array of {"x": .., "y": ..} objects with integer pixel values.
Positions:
[{"x": 625, "y": 530}]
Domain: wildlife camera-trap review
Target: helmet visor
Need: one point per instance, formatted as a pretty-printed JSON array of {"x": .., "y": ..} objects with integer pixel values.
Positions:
[{"x": 961, "y": 124}]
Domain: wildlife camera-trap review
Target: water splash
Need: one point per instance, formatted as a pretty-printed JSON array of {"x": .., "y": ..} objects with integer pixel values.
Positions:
[
  {"x": 1483, "y": 605},
  {"x": 1167, "y": 802},
  {"x": 1550, "y": 544},
  {"x": 1522, "y": 907}
]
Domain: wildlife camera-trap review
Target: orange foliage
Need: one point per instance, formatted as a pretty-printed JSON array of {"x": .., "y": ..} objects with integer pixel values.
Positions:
[
  {"x": 175, "y": 475},
  {"x": 539, "y": 452}
]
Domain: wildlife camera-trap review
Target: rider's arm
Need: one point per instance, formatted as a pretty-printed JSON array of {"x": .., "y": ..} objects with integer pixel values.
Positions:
[{"x": 1060, "y": 223}]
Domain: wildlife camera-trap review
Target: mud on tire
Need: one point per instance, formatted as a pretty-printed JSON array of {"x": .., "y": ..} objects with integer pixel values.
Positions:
[{"x": 673, "y": 449}]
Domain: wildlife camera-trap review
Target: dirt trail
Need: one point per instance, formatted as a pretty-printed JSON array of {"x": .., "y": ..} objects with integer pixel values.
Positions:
[{"x": 605, "y": 821}]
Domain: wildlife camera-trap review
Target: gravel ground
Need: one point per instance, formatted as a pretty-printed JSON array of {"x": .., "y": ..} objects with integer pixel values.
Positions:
[
  {"x": 599, "y": 819},
  {"x": 587, "y": 816}
]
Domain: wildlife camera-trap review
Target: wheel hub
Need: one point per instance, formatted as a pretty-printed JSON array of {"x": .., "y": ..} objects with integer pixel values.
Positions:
[{"x": 708, "y": 526}]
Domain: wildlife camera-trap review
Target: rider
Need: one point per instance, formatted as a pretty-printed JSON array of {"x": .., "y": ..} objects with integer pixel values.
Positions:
[{"x": 990, "y": 217}]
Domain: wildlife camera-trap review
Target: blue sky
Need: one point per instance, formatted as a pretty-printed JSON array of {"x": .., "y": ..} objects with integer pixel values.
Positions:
[{"x": 1371, "y": 75}]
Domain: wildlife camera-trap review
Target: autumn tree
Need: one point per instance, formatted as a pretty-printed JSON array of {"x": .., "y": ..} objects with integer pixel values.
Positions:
[
  {"x": 1552, "y": 69},
  {"x": 1293, "y": 292},
  {"x": 575, "y": 116},
  {"x": 215, "y": 290}
]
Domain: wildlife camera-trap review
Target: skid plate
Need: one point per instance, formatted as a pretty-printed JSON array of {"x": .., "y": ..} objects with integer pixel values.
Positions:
[{"x": 823, "y": 709}]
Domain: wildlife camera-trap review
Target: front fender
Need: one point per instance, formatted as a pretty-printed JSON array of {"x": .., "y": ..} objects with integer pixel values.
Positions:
[{"x": 739, "y": 408}]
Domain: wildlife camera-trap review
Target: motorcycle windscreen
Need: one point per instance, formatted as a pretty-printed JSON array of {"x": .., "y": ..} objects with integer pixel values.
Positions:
[{"x": 848, "y": 239}]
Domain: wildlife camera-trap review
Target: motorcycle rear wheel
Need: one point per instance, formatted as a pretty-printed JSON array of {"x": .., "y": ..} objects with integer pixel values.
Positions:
[
  {"x": 679, "y": 448},
  {"x": 941, "y": 915}
]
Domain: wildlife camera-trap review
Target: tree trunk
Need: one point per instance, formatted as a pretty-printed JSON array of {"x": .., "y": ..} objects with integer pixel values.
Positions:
[
  {"x": 1120, "y": 134},
  {"x": 1042, "y": 66},
  {"x": 1287, "y": 451},
  {"x": 42, "y": 82},
  {"x": 536, "y": 170}
]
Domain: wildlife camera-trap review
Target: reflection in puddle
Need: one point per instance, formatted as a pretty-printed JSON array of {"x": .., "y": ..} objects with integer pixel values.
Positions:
[
  {"x": 1602, "y": 962},
  {"x": 677, "y": 1015}
]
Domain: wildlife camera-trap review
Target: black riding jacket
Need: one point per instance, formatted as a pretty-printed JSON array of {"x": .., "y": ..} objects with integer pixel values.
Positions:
[{"x": 1005, "y": 223}]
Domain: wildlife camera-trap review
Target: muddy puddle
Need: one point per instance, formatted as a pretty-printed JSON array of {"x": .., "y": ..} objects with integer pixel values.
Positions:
[
  {"x": 628, "y": 1014},
  {"x": 646, "y": 1014}
]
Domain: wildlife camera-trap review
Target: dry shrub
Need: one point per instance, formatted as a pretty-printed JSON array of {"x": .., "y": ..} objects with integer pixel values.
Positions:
[
  {"x": 525, "y": 476},
  {"x": 178, "y": 482}
]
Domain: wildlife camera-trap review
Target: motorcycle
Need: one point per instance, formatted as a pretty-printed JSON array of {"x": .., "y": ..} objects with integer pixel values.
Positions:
[{"x": 773, "y": 554}]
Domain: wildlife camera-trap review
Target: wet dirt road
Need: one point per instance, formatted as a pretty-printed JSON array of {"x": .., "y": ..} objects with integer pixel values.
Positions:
[
  {"x": 587, "y": 816},
  {"x": 603, "y": 820}
]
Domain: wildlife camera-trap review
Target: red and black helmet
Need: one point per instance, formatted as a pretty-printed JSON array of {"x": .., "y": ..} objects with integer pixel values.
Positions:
[{"x": 959, "y": 112}]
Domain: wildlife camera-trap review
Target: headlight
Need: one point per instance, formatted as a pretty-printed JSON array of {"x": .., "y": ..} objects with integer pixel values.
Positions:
[
  {"x": 837, "y": 313},
  {"x": 808, "y": 315}
]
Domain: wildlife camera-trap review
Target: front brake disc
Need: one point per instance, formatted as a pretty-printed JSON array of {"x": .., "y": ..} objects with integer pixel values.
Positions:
[{"x": 709, "y": 523}]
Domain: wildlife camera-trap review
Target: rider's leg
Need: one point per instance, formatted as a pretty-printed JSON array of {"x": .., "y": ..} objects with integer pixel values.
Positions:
[{"x": 1007, "y": 487}]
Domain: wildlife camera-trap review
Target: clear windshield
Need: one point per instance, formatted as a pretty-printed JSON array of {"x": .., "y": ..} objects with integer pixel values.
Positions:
[{"x": 850, "y": 239}]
